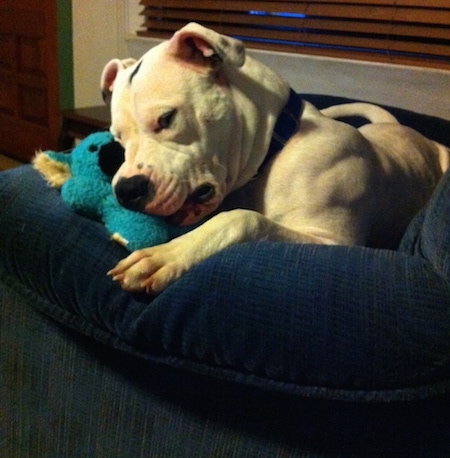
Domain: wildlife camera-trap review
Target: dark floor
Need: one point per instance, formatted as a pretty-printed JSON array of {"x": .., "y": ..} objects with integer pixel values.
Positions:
[{"x": 7, "y": 163}]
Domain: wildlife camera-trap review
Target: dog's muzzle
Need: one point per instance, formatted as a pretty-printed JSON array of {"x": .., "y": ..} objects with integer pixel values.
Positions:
[{"x": 137, "y": 191}]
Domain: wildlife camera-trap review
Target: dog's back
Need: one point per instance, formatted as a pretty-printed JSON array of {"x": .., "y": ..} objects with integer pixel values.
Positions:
[{"x": 410, "y": 167}]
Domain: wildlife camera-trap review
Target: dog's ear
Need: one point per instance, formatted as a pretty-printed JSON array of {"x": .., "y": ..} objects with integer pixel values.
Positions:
[
  {"x": 194, "y": 39},
  {"x": 109, "y": 74}
]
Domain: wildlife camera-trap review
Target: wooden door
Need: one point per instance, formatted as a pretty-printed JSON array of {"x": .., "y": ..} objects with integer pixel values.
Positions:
[{"x": 29, "y": 93}]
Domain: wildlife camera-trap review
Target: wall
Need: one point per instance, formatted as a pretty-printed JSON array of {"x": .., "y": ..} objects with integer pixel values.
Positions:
[
  {"x": 97, "y": 38},
  {"x": 422, "y": 90},
  {"x": 418, "y": 89}
]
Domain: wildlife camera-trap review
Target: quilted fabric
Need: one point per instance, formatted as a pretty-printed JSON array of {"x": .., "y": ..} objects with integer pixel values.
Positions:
[
  {"x": 339, "y": 322},
  {"x": 332, "y": 322},
  {"x": 104, "y": 403}
]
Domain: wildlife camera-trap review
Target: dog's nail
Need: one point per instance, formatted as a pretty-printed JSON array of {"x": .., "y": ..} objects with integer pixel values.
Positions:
[{"x": 113, "y": 272}]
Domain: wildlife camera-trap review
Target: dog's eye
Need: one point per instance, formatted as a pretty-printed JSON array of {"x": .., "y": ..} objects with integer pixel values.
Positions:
[{"x": 166, "y": 119}]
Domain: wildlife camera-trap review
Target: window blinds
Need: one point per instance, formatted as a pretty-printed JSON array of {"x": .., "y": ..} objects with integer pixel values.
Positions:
[{"x": 411, "y": 32}]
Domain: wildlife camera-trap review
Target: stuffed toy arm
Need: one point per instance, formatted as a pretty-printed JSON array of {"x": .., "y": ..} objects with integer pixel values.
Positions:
[{"x": 132, "y": 229}]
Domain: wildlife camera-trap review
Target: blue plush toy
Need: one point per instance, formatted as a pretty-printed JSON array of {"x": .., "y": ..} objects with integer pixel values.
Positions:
[{"x": 84, "y": 177}]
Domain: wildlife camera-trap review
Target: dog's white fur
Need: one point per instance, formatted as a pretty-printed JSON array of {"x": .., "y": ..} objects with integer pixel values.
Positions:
[{"x": 330, "y": 184}]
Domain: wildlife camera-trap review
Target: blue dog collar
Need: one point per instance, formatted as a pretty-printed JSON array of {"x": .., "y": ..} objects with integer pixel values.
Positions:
[{"x": 286, "y": 126}]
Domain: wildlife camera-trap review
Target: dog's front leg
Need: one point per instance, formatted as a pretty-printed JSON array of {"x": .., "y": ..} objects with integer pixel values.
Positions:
[{"x": 153, "y": 269}]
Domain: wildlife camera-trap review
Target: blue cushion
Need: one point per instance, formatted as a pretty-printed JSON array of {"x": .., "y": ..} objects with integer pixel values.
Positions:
[{"x": 333, "y": 322}]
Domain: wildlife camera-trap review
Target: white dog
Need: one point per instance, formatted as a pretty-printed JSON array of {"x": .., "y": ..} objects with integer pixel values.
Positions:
[{"x": 197, "y": 119}]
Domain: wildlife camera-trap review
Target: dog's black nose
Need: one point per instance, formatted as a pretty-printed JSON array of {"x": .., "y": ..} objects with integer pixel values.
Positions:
[{"x": 134, "y": 192}]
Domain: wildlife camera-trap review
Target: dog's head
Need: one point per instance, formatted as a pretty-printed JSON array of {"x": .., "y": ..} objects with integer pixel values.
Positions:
[{"x": 174, "y": 114}]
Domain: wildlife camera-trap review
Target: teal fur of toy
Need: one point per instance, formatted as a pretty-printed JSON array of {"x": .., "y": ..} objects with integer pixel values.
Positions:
[{"x": 89, "y": 192}]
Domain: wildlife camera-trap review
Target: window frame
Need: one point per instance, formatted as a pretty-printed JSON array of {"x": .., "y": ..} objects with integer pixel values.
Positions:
[{"x": 385, "y": 31}]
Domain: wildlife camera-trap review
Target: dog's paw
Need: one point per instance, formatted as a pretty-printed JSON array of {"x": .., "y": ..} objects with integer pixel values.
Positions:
[{"x": 152, "y": 269}]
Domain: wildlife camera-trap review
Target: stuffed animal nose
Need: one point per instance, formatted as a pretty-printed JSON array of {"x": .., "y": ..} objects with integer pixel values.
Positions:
[{"x": 134, "y": 192}]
